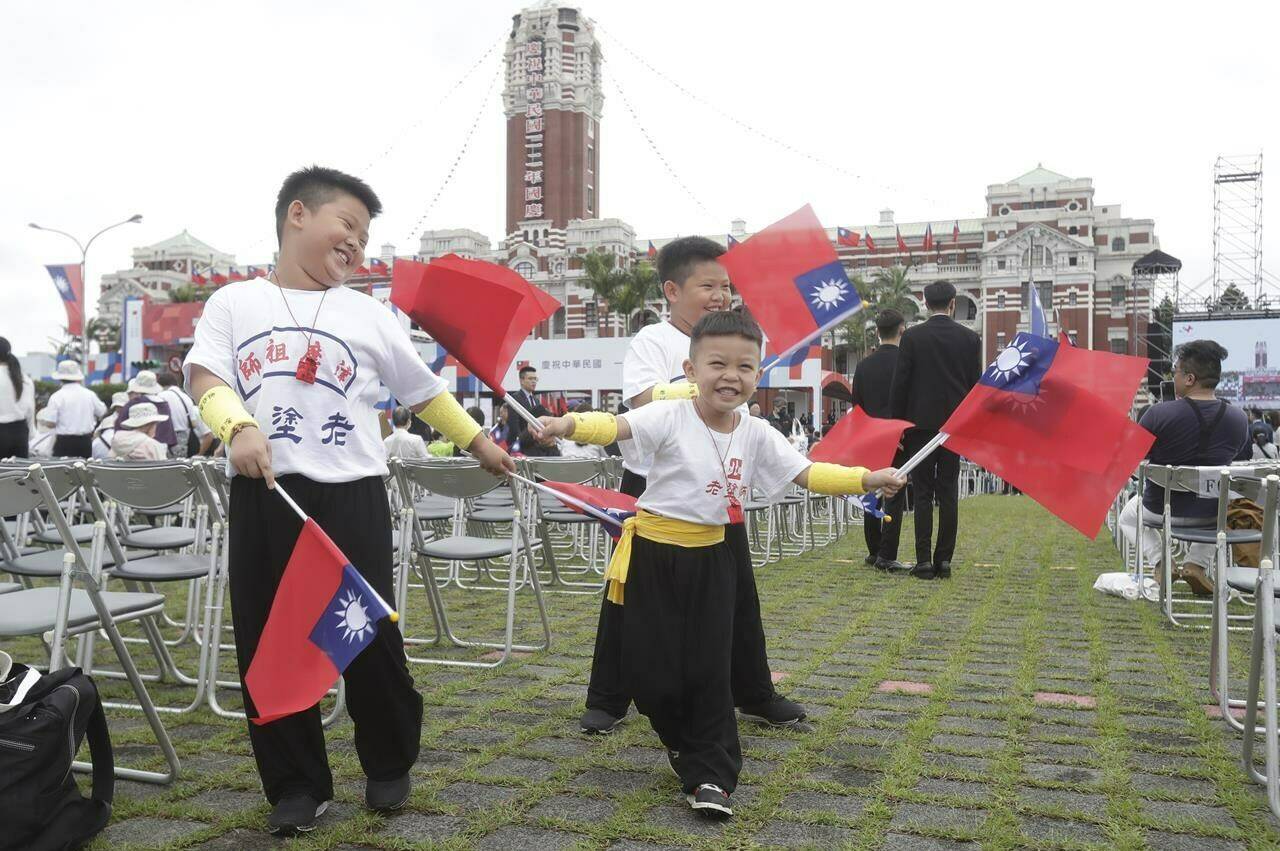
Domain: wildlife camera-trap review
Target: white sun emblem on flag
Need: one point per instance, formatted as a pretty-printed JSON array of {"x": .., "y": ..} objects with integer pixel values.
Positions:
[
  {"x": 354, "y": 617},
  {"x": 829, "y": 294},
  {"x": 1011, "y": 362}
]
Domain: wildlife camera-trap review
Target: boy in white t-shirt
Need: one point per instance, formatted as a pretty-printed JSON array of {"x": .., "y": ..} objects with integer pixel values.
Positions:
[
  {"x": 288, "y": 370},
  {"x": 674, "y": 570},
  {"x": 695, "y": 285}
]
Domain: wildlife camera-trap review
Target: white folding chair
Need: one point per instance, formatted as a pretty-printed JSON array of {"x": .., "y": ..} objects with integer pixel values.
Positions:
[{"x": 1262, "y": 660}]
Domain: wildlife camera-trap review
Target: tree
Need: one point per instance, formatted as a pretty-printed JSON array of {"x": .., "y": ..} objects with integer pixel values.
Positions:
[
  {"x": 1232, "y": 298},
  {"x": 106, "y": 333},
  {"x": 623, "y": 291},
  {"x": 891, "y": 289},
  {"x": 189, "y": 293}
]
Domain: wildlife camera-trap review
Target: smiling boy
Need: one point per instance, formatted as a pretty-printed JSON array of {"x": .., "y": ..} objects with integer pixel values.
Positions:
[
  {"x": 675, "y": 571},
  {"x": 287, "y": 371}
]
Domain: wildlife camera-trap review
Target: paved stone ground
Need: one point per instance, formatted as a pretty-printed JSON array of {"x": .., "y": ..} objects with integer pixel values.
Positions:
[{"x": 1010, "y": 707}]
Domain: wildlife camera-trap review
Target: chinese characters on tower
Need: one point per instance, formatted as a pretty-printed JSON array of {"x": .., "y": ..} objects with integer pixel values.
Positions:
[{"x": 531, "y": 62}]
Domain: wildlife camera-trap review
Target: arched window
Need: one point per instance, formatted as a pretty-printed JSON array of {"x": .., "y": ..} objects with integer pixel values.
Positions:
[
  {"x": 1043, "y": 256},
  {"x": 643, "y": 318},
  {"x": 1117, "y": 244},
  {"x": 524, "y": 269}
]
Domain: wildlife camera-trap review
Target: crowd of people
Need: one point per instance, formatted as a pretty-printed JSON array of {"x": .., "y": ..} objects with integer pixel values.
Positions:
[{"x": 679, "y": 633}]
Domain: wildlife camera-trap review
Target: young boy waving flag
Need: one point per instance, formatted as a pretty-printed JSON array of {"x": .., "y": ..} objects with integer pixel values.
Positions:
[
  {"x": 287, "y": 371},
  {"x": 674, "y": 571}
]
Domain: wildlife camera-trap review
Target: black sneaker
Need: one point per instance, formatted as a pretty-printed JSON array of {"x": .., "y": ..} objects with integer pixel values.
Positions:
[
  {"x": 943, "y": 570},
  {"x": 777, "y": 711},
  {"x": 295, "y": 813},
  {"x": 889, "y": 565},
  {"x": 673, "y": 760},
  {"x": 923, "y": 570},
  {"x": 870, "y": 561},
  {"x": 383, "y": 796},
  {"x": 597, "y": 721},
  {"x": 711, "y": 801}
]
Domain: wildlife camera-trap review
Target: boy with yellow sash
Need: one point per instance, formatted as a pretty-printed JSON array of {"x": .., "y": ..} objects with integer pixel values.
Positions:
[{"x": 673, "y": 570}]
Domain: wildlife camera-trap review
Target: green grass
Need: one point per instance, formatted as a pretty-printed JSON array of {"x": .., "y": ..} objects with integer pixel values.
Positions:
[{"x": 976, "y": 760}]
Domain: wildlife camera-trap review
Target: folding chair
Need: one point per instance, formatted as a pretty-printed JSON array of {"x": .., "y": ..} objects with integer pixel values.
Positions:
[
  {"x": 1232, "y": 582},
  {"x": 67, "y": 611},
  {"x": 462, "y": 480},
  {"x": 1262, "y": 660},
  {"x": 586, "y": 538}
]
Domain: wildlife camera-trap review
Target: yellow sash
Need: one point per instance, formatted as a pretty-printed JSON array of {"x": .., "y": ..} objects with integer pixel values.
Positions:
[{"x": 661, "y": 530}]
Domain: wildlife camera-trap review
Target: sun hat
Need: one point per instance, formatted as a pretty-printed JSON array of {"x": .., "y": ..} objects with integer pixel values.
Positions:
[
  {"x": 145, "y": 383},
  {"x": 143, "y": 413},
  {"x": 68, "y": 370},
  {"x": 119, "y": 399}
]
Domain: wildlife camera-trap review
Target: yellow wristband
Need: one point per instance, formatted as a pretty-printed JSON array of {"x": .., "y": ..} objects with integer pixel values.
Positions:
[
  {"x": 223, "y": 412},
  {"x": 834, "y": 479},
  {"x": 683, "y": 390},
  {"x": 445, "y": 415},
  {"x": 596, "y": 427}
]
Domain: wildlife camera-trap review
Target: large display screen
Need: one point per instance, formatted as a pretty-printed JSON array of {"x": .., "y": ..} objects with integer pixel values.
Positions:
[{"x": 1251, "y": 372}]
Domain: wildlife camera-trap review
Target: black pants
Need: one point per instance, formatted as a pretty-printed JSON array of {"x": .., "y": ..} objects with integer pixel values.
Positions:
[
  {"x": 676, "y": 650},
  {"x": 14, "y": 439},
  {"x": 936, "y": 480},
  {"x": 73, "y": 446},
  {"x": 751, "y": 679},
  {"x": 385, "y": 708},
  {"x": 881, "y": 537}
]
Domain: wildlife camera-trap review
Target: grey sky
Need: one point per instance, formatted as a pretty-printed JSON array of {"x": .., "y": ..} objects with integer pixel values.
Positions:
[{"x": 191, "y": 114}]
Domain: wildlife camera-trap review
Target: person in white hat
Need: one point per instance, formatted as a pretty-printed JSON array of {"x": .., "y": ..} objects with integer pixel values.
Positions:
[
  {"x": 107, "y": 427},
  {"x": 135, "y": 437},
  {"x": 145, "y": 388},
  {"x": 74, "y": 410}
]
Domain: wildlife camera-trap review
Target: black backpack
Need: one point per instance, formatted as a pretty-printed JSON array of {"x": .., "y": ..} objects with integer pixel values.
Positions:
[{"x": 40, "y": 805}]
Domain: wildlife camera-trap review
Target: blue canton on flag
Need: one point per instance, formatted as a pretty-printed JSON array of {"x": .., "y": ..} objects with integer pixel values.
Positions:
[
  {"x": 730, "y": 241},
  {"x": 63, "y": 285},
  {"x": 1021, "y": 366},
  {"x": 350, "y": 619},
  {"x": 828, "y": 293},
  {"x": 871, "y": 505}
]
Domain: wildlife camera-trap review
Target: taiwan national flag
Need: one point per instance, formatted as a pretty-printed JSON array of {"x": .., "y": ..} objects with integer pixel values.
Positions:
[
  {"x": 792, "y": 281},
  {"x": 902, "y": 243},
  {"x": 70, "y": 287},
  {"x": 860, "y": 440},
  {"x": 729, "y": 241},
  {"x": 257, "y": 272},
  {"x": 197, "y": 278},
  {"x": 323, "y": 615},
  {"x": 1039, "y": 325},
  {"x": 608, "y": 507},
  {"x": 955, "y": 233},
  {"x": 928, "y": 237},
  {"x": 652, "y": 252},
  {"x": 867, "y": 240},
  {"x": 217, "y": 277},
  {"x": 1034, "y": 420},
  {"x": 481, "y": 312},
  {"x": 846, "y": 237},
  {"x": 378, "y": 266},
  {"x": 234, "y": 274}
]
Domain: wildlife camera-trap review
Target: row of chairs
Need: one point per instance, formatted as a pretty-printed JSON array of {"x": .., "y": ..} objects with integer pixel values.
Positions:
[{"x": 1252, "y": 591}]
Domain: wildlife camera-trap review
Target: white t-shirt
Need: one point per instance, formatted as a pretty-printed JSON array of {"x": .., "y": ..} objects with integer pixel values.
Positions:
[
  {"x": 402, "y": 443},
  {"x": 184, "y": 413},
  {"x": 687, "y": 480},
  {"x": 327, "y": 431},
  {"x": 74, "y": 409}
]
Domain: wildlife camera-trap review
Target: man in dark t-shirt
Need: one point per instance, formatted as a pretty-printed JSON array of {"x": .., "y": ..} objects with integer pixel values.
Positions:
[{"x": 1195, "y": 430}]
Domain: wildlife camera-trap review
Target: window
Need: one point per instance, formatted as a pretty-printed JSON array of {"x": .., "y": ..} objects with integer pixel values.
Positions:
[
  {"x": 1073, "y": 230},
  {"x": 1044, "y": 289},
  {"x": 592, "y": 316},
  {"x": 1071, "y": 299},
  {"x": 1000, "y": 340},
  {"x": 1117, "y": 244},
  {"x": 557, "y": 322},
  {"x": 1120, "y": 346},
  {"x": 591, "y": 159},
  {"x": 1004, "y": 211},
  {"x": 1000, "y": 264},
  {"x": 966, "y": 310},
  {"x": 1071, "y": 335},
  {"x": 1073, "y": 206},
  {"x": 999, "y": 301},
  {"x": 1117, "y": 295},
  {"x": 524, "y": 269},
  {"x": 1073, "y": 260},
  {"x": 591, "y": 200},
  {"x": 1042, "y": 256}
]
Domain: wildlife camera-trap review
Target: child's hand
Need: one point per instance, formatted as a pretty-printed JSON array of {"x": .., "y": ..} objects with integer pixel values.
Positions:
[
  {"x": 886, "y": 480},
  {"x": 555, "y": 427}
]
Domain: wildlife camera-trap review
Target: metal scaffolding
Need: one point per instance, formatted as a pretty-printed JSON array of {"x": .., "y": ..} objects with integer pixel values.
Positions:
[{"x": 1237, "y": 226}]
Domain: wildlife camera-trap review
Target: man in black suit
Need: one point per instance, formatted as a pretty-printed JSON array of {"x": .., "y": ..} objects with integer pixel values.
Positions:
[
  {"x": 518, "y": 429},
  {"x": 872, "y": 382},
  {"x": 939, "y": 362}
]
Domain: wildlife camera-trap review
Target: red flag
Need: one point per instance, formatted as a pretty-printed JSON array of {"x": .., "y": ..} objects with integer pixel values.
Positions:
[
  {"x": 378, "y": 266},
  {"x": 323, "y": 615},
  {"x": 652, "y": 252},
  {"x": 70, "y": 286},
  {"x": 1115, "y": 378},
  {"x": 791, "y": 280},
  {"x": 867, "y": 240},
  {"x": 1031, "y": 421},
  {"x": 902, "y": 245},
  {"x": 928, "y": 237},
  {"x": 955, "y": 233},
  {"x": 198, "y": 279},
  {"x": 217, "y": 277},
  {"x": 861, "y": 440},
  {"x": 480, "y": 312},
  {"x": 1080, "y": 498}
]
